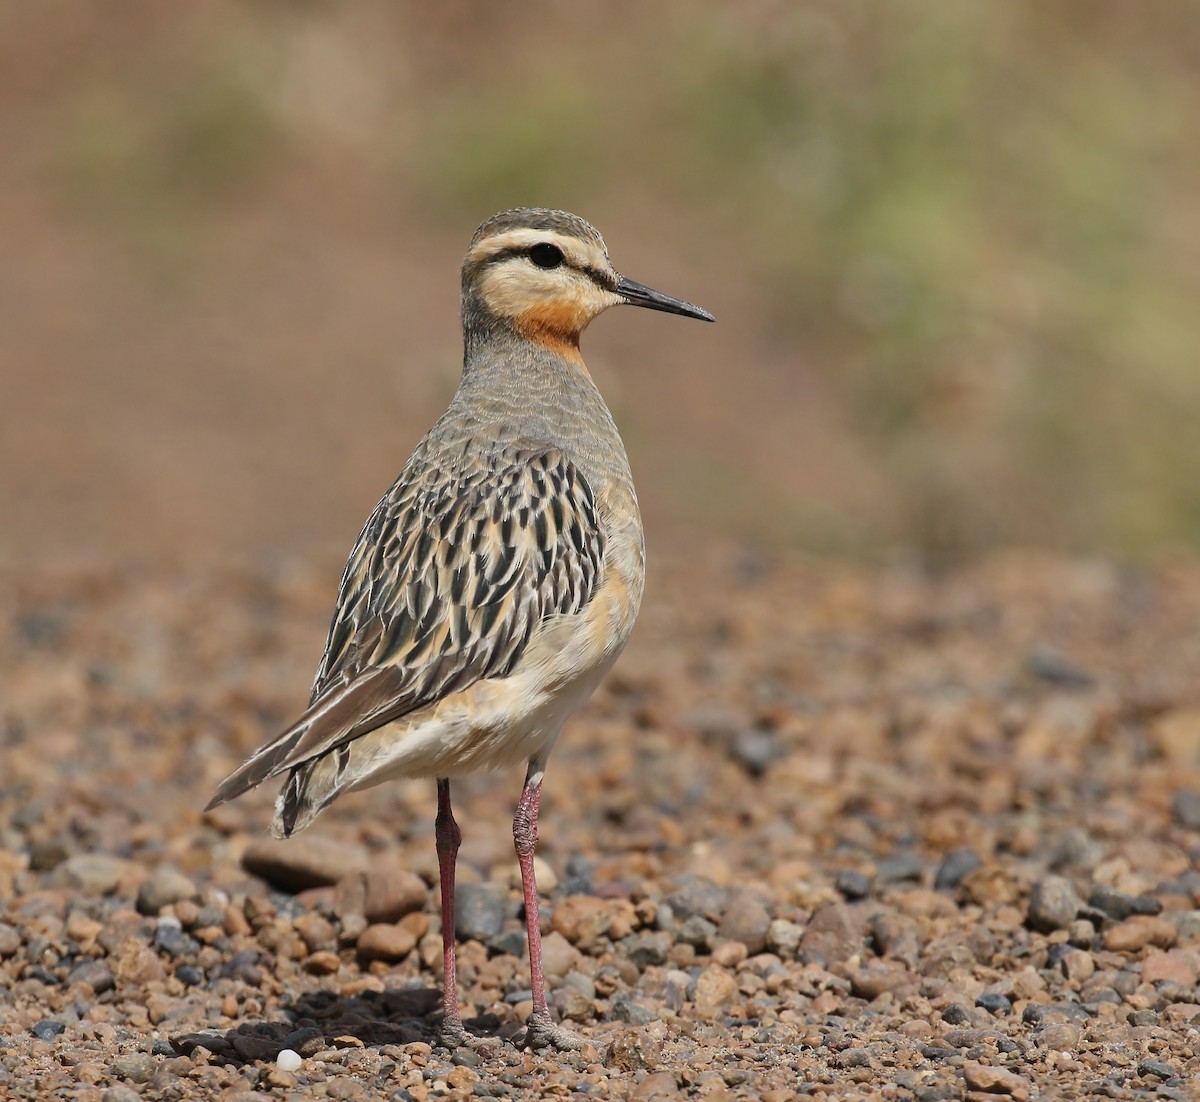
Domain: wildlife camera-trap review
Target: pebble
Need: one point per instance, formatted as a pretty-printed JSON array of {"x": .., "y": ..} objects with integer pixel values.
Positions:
[
  {"x": 697, "y": 932},
  {"x": 1120, "y": 905},
  {"x": 647, "y": 948},
  {"x": 478, "y": 911},
  {"x": 835, "y": 933},
  {"x": 745, "y": 919},
  {"x": 995, "y": 1080},
  {"x": 955, "y": 865},
  {"x": 698, "y": 897},
  {"x": 994, "y": 1003},
  {"x": 852, "y": 884},
  {"x": 1139, "y": 931},
  {"x": 90, "y": 874},
  {"x": 137, "y": 1067},
  {"x": 1186, "y": 807},
  {"x": 304, "y": 861},
  {"x": 559, "y": 956},
  {"x": 1181, "y": 966},
  {"x": 715, "y": 991},
  {"x": 1156, "y": 1069},
  {"x": 385, "y": 941},
  {"x": 163, "y": 887},
  {"x": 94, "y": 973},
  {"x": 288, "y": 1060},
  {"x": 119, "y": 1092},
  {"x": 1059, "y": 1036},
  {"x": 10, "y": 939},
  {"x": 1053, "y": 904},
  {"x": 783, "y": 938},
  {"x": 392, "y": 892},
  {"x": 48, "y": 1030}
]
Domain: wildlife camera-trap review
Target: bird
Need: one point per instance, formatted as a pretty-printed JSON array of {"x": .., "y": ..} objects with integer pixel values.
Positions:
[{"x": 497, "y": 580}]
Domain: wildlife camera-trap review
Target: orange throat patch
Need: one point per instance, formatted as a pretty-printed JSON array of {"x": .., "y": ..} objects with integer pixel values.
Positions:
[{"x": 554, "y": 326}]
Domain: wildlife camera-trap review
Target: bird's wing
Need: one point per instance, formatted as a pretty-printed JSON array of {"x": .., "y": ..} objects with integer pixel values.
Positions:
[{"x": 446, "y": 585}]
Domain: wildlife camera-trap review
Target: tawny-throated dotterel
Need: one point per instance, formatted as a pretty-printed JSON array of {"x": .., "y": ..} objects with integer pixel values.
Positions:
[{"x": 498, "y": 579}]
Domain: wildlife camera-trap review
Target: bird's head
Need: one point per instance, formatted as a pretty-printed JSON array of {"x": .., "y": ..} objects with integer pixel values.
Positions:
[{"x": 547, "y": 273}]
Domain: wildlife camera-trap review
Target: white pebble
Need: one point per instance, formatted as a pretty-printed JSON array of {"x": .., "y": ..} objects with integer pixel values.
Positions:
[{"x": 288, "y": 1060}]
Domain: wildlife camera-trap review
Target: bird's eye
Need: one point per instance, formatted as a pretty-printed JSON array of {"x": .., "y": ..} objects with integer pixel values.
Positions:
[{"x": 545, "y": 255}]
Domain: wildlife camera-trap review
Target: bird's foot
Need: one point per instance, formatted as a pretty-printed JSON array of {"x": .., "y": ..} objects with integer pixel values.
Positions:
[
  {"x": 454, "y": 1036},
  {"x": 543, "y": 1033}
]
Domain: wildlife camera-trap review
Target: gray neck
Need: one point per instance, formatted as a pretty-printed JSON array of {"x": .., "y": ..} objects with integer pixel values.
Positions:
[{"x": 524, "y": 390}]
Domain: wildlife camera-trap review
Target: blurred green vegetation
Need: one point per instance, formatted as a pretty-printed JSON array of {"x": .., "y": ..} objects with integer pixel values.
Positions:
[{"x": 978, "y": 223}]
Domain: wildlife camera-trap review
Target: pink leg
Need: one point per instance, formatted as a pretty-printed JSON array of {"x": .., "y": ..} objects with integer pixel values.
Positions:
[
  {"x": 542, "y": 1031},
  {"x": 449, "y": 837}
]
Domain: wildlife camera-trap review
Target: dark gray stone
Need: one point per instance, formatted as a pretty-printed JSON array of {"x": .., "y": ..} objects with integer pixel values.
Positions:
[
  {"x": 853, "y": 885},
  {"x": 1053, "y": 904},
  {"x": 478, "y": 912},
  {"x": 955, "y": 865}
]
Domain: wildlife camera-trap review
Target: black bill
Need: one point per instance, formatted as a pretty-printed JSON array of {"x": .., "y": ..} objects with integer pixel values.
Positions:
[{"x": 637, "y": 294}]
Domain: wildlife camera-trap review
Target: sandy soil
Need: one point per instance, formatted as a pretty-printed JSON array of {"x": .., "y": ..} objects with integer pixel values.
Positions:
[{"x": 824, "y": 831}]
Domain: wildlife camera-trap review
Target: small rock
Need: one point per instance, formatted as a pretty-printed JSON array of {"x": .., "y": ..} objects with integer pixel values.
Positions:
[
  {"x": 1058, "y": 1036},
  {"x": 956, "y": 1014},
  {"x": 1137, "y": 932},
  {"x": 715, "y": 990},
  {"x": 994, "y": 1003},
  {"x": 729, "y": 954},
  {"x": 835, "y": 933},
  {"x": 1186, "y": 806},
  {"x": 956, "y": 864},
  {"x": 137, "y": 1067},
  {"x": 631, "y": 1051},
  {"x": 989, "y": 886},
  {"x": 119, "y": 1092},
  {"x": 393, "y": 892},
  {"x": 746, "y": 920},
  {"x": 1120, "y": 905},
  {"x": 93, "y": 973},
  {"x": 1156, "y": 1069},
  {"x": 661, "y": 1084},
  {"x": 899, "y": 867},
  {"x": 1181, "y": 966},
  {"x": 1077, "y": 965},
  {"x": 573, "y": 1004},
  {"x": 462, "y": 1078},
  {"x": 995, "y": 1080},
  {"x": 1053, "y": 904},
  {"x": 163, "y": 887},
  {"x": 306, "y": 1041},
  {"x": 698, "y": 932},
  {"x": 10, "y": 939},
  {"x": 698, "y": 897},
  {"x": 559, "y": 956},
  {"x": 385, "y": 941},
  {"x": 316, "y": 931},
  {"x": 756, "y": 750},
  {"x": 1142, "y": 1017},
  {"x": 307, "y": 861},
  {"x": 852, "y": 884},
  {"x": 289, "y": 1060},
  {"x": 783, "y": 938},
  {"x": 508, "y": 943},
  {"x": 90, "y": 874},
  {"x": 647, "y": 948},
  {"x": 855, "y": 1058},
  {"x": 873, "y": 980},
  {"x": 478, "y": 912},
  {"x": 47, "y": 1030}
]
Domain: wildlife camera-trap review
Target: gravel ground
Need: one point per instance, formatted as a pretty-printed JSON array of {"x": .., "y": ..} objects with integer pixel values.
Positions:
[{"x": 825, "y": 831}]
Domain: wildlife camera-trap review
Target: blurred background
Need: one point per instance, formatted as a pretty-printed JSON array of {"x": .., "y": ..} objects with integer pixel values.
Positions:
[{"x": 953, "y": 249}]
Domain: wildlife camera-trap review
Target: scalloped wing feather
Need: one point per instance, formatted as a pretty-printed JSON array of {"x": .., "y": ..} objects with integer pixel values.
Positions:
[{"x": 449, "y": 580}]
